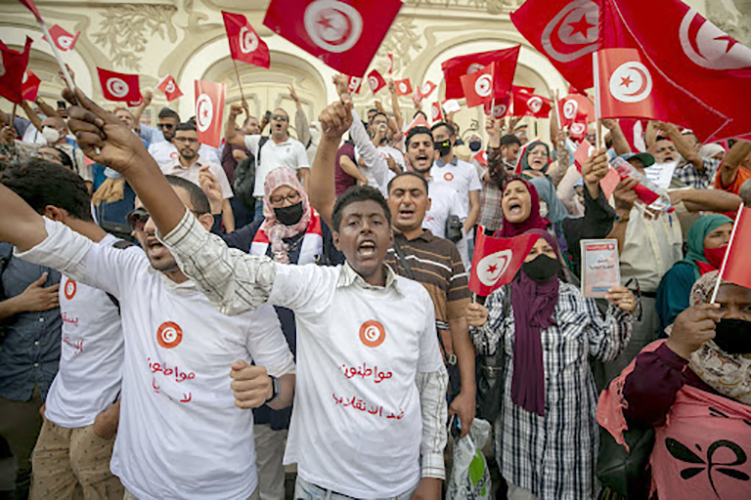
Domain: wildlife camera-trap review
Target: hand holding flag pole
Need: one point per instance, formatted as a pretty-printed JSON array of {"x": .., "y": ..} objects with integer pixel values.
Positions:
[{"x": 720, "y": 277}]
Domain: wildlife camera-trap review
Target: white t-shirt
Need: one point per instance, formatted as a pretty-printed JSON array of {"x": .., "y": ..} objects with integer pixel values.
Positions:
[
  {"x": 180, "y": 434},
  {"x": 193, "y": 172},
  {"x": 462, "y": 177},
  {"x": 165, "y": 152},
  {"x": 357, "y": 422},
  {"x": 290, "y": 154},
  {"x": 91, "y": 357},
  {"x": 444, "y": 202}
]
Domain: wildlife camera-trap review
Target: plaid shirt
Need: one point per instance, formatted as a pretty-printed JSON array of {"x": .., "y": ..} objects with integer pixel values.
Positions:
[
  {"x": 695, "y": 179},
  {"x": 491, "y": 214},
  {"x": 554, "y": 456}
]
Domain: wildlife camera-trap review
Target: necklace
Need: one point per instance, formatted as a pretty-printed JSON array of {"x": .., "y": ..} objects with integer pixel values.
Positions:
[{"x": 290, "y": 247}]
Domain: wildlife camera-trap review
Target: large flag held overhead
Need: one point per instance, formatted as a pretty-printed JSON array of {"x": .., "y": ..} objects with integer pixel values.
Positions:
[
  {"x": 170, "y": 88},
  {"x": 628, "y": 86},
  {"x": 62, "y": 39},
  {"x": 567, "y": 33},
  {"x": 13, "y": 65},
  {"x": 119, "y": 87},
  {"x": 344, "y": 35},
  {"x": 497, "y": 260},
  {"x": 209, "y": 112},
  {"x": 735, "y": 268},
  {"x": 454, "y": 69},
  {"x": 244, "y": 43},
  {"x": 691, "y": 51}
]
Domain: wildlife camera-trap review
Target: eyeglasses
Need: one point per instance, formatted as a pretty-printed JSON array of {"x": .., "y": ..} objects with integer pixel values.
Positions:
[
  {"x": 292, "y": 198},
  {"x": 168, "y": 126},
  {"x": 281, "y": 118},
  {"x": 138, "y": 218}
]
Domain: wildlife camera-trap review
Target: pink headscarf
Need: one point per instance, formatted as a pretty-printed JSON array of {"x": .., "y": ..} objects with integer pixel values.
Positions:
[{"x": 275, "y": 230}]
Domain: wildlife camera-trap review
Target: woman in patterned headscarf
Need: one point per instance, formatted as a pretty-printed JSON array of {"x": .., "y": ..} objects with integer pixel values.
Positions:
[{"x": 699, "y": 382}]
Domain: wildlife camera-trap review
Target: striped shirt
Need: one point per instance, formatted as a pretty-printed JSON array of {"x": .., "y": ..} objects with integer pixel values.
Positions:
[
  {"x": 436, "y": 264},
  {"x": 554, "y": 456}
]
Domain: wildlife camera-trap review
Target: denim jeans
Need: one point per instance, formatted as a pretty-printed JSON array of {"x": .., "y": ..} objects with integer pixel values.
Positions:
[
  {"x": 307, "y": 491},
  {"x": 258, "y": 212}
]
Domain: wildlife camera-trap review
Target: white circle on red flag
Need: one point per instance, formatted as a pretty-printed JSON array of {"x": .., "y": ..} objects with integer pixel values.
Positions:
[
  {"x": 248, "y": 41},
  {"x": 402, "y": 87},
  {"x": 570, "y": 108},
  {"x": 499, "y": 110},
  {"x": 65, "y": 41},
  {"x": 435, "y": 112},
  {"x": 373, "y": 83},
  {"x": 714, "y": 48},
  {"x": 332, "y": 25},
  {"x": 117, "y": 87},
  {"x": 491, "y": 267},
  {"x": 631, "y": 82},
  {"x": 484, "y": 85},
  {"x": 474, "y": 68},
  {"x": 204, "y": 112},
  {"x": 573, "y": 32},
  {"x": 578, "y": 128},
  {"x": 170, "y": 87},
  {"x": 534, "y": 104}
]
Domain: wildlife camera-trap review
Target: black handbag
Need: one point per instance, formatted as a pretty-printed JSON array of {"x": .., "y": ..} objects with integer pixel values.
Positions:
[
  {"x": 625, "y": 472},
  {"x": 489, "y": 374}
]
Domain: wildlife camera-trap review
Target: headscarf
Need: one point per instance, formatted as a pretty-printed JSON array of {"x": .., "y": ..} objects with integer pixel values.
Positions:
[
  {"x": 709, "y": 150},
  {"x": 275, "y": 230},
  {"x": 533, "y": 306},
  {"x": 534, "y": 221},
  {"x": 728, "y": 374},
  {"x": 525, "y": 156},
  {"x": 546, "y": 191},
  {"x": 699, "y": 230}
]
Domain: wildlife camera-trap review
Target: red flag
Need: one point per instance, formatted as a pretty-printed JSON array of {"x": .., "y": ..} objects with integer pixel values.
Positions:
[
  {"x": 13, "y": 65},
  {"x": 436, "y": 112},
  {"x": 481, "y": 157},
  {"x": 403, "y": 87},
  {"x": 566, "y": 32},
  {"x": 575, "y": 108},
  {"x": 480, "y": 87},
  {"x": 355, "y": 82},
  {"x": 735, "y": 268},
  {"x": 427, "y": 89},
  {"x": 500, "y": 109},
  {"x": 244, "y": 43},
  {"x": 610, "y": 182},
  {"x": 209, "y": 112},
  {"x": 29, "y": 4},
  {"x": 531, "y": 105},
  {"x": 391, "y": 63},
  {"x": 692, "y": 52},
  {"x": 62, "y": 39},
  {"x": 454, "y": 69},
  {"x": 633, "y": 130},
  {"x": 582, "y": 153},
  {"x": 119, "y": 86},
  {"x": 30, "y": 85},
  {"x": 497, "y": 260},
  {"x": 419, "y": 121},
  {"x": 170, "y": 88},
  {"x": 345, "y": 36},
  {"x": 375, "y": 81},
  {"x": 578, "y": 130},
  {"x": 628, "y": 86},
  {"x": 525, "y": 90}
]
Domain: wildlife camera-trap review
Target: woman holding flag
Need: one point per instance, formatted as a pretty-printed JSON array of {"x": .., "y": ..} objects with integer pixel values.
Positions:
[{"x": 546, "y": 435}]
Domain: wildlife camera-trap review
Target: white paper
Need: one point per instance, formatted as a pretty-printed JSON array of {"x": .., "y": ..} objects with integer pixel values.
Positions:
[
  {"x": 661, "y": 174},
  {"x": 451, "y": 105}
]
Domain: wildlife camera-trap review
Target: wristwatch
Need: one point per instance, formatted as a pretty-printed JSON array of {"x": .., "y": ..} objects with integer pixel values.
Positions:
[
  {"x": 276, "y": 388},
  {"x": 618, "y": 218}
]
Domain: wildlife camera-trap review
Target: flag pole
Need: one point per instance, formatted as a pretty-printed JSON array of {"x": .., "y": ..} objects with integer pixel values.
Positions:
[
  {"x": 598, "y": 111},
  {"x": 239, "y": 83},
  {"x": 66, "y": 75},
  {"x": 13, "y": 116},
  {"x": 557, "y": 111},
  {"x": 727, "y": 252}
]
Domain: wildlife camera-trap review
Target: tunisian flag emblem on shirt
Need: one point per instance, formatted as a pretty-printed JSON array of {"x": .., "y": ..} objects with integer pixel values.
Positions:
[
  {"x": 209, "y": 110},
  {"x": 344, "y": 35},
  {"x": 497, "y": 260}
]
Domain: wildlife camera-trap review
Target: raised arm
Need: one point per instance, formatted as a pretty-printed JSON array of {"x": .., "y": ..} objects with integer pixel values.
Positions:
[
  {"x": 732, "y": 162},
  {"x": 231, "y": 135},
  {"x": 145, "y": 102},
  {"x": 706, "y": 200},
  {"x": 620, "y": 144},
  {"x": 33, "y": 117},
  {"x": 395, "y": 105},
  {"x": 301, "y": 121},
  {"x": 20, "y": 225},
  {"x": 682, "y": 145}
]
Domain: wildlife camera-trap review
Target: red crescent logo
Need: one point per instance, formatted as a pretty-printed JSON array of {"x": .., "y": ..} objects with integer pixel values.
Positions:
[
  {"x": 372, "y": 333},
  {"x": 70, "y": 289},
  {"x": 169, "y": 335}
]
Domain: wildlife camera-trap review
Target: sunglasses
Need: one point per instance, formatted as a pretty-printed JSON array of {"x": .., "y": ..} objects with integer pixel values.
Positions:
[
  {"x": 168, "y": 126},
  {"x": 138, "y": 218},
  {"x": 281, "y": 118}
]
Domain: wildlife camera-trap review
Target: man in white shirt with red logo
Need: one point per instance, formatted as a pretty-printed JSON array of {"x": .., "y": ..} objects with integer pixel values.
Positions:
[
  {"x": 82, "y": 409},
  {"x": 181, "y": 434},
  {"x": 370, "y": 407}
]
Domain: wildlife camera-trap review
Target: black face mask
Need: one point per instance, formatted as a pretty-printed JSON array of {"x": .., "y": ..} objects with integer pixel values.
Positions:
[
  {"x": 443, "y": 148},
  {"x": 734, "y": 336},
  {"x": 542, "y": 269},
  {"x": 475, "y": 146},
  {"x": 289, "y": 216}
]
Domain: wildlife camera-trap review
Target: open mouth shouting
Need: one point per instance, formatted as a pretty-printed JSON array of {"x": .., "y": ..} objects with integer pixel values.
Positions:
[
  {"x": 154, "y": 249},
  {"x": 366, "y": 248}
]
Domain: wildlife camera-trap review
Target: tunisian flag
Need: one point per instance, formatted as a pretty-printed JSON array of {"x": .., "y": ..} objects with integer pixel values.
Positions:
[
  {"x": 62, "y": 39},
  {"x": 575, "y": 108},
  {"x": 244, "y": 43},
  {"x": 170, "y": 88},
  {"x": 30, "y": 86},
  {"x": 436, "y": 112},
  {"x": 454, "y": 69},
  {"x": 13, "y": 65},
  {"x": 355, "y": 82},
  {"x": 566, "y": 32},
  {"x": 531, "y": 105},
  {"x": 209, "y": 112},
  {"x": 480, "y": 86},
  {"x": 501, "y": 108},
  {"x": 497, "y": 260},
  {"x": 375, "y": 81},
  {"x": 119, "y": 86},
  {"x": 628, "y": 86},
  {"x": 345, "y": 36},
  {"x": 691, "y": 51},
  {"x": 735, "y": 268},
  {"x": 403, "y": 87}
]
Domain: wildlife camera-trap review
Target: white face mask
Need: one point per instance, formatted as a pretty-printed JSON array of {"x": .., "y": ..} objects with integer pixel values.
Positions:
[
  {"x": 51, "y": 135},
  {"x": 543, "y": 209}
]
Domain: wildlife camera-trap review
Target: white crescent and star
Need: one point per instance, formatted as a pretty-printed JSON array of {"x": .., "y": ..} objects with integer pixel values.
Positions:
[
  {"x": 709, "y": 46},
  {"x": 117, "y": 87},
  {"x": 484, "y": 85},
  {"x": 204, "y": 112},
  {"x": 491, "y": 267},
  {"x": 248, "y": 41},
  {"x": 332, "y": 25},
  {"x": 631, "y": 82},
  {"x": 573, "y": 32}
]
